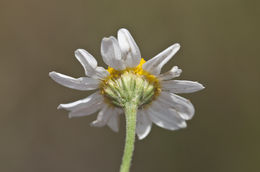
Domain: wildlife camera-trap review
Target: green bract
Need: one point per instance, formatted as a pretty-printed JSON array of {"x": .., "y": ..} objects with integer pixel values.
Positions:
[{"x": 129, "y": 87}]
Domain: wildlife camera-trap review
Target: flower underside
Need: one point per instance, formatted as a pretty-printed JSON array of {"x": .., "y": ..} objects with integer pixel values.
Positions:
[{"x": 130, "y": 85}]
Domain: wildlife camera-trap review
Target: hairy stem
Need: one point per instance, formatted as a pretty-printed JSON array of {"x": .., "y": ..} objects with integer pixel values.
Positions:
[{"x": 130, "y": 114}]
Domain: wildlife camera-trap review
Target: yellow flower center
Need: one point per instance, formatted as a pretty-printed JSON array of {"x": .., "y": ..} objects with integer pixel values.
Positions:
[{"x": 130, "y": 84}]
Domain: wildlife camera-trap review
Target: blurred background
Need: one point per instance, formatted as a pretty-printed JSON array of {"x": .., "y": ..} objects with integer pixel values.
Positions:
[{"x": 220, "y": 48}]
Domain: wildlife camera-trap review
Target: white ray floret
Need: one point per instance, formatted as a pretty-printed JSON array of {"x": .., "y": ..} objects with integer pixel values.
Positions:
[
  {"x": 155, "y": 64},
  {"x": 173, "y": 73},
  {"x": 181, "y": 86},
  {"x": 130, "y": 51},
  {"x": 89, "y": 64},
  {"x": 111, "y": 53},
  {"x": 82, "y": 83},
  {"x": 143, "y": 124}
]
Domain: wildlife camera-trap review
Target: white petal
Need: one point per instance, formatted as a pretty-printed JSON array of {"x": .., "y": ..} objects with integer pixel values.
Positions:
[
  {"x": 165, "y": 117},
  {"x": 181, "y": 86},
  {"x": 183, "y": 106},
  {"x": 83, "y": 103},
  {"x": 89, "y": 64},
  {"x": 111, "y": 53},
  {"x": 155, "y": 64},
  {"x": 82, "y": 83},
  {"x": 143, "y": 124},
  {"x": 101, "y": 73},
  {"x": 85, "y": 111},
  {"x": 108, "y": 115},
  {"x": 173, "y": 73},
  {"x": 103, "y": 116},
  {"x": 129, "y": 49},
  {"x": 113, "y": 122}
]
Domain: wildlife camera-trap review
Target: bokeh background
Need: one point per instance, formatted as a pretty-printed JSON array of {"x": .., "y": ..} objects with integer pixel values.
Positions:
[{"x": 220, "y": 48}]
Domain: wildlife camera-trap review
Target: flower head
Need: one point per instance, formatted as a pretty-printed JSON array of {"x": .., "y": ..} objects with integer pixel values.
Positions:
[{"x": 130, "y": 78}]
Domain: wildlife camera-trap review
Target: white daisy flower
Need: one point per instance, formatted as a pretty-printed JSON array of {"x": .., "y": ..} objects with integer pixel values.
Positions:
[{"x": 130, "y": 78}]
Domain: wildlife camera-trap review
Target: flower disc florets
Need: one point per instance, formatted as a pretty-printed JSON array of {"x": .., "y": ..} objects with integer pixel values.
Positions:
[{"x": 130, "y": 85}]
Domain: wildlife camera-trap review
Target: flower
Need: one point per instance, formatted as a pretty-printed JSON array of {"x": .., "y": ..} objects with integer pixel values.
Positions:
[{"x": 130, "y": 78}]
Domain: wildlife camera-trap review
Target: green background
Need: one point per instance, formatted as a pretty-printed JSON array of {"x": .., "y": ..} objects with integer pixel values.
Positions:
[{"x": 220, "y": 48}]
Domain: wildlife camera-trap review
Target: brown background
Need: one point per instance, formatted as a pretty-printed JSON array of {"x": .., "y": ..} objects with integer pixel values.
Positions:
[{"x": 220, "y": 48}]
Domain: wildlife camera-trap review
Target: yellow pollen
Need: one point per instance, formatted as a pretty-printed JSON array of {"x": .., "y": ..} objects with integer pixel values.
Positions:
[{"x": 138, "y": 70}]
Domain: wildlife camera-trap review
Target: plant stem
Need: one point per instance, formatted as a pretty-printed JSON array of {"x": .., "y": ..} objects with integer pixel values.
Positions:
[{"x": 130, "y": 115}]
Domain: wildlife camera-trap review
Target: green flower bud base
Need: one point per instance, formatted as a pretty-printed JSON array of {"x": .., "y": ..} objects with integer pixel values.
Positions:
[{"x": 129, "y": 87}]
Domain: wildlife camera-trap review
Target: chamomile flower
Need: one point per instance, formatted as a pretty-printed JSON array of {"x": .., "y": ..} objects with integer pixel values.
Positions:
[{"x": 129, "y": 78}]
